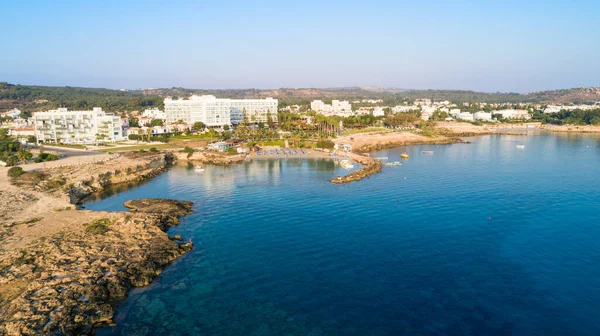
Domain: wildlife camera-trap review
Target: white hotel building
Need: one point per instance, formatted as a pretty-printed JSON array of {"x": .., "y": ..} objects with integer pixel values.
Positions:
[
  {"x": 341, "y": 108},
  {"x": 218, "y": 112},
  {"x": 63, "y": 126}
]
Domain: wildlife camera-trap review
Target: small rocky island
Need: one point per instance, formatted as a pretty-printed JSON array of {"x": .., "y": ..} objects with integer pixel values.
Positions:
[{"x": 68, "y": 282}]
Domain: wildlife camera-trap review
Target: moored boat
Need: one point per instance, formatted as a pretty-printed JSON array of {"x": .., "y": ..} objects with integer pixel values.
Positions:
[
  {"x": 198, "y": 169},
  {"x": 346, "y": 164},
  {"x": 404, "y": 156}
]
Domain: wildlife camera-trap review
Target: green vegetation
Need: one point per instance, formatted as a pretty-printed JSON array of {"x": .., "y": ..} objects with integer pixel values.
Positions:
[
  {"x": 190, "y": 151},
  {"x": 156, "y": 122},
  {"x": 198, "y": 125},
  {"x": 575, "y": 117},
  {"x": 30, "y": 98},
  {"x": 369, "y": 129},
  {"x": 279, "y": 143},
  {"x": 34, "y": 98},
  {"x": 98, "y": 226},
  {"x": 43, "y": 157},
  {"x": 15, "y": 172},
  {"x": 328, "y": 144},
  {"x": 11, "y": 150}
]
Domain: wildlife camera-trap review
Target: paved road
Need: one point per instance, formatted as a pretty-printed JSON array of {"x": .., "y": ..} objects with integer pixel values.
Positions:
[{"x": 68, "y": 152}]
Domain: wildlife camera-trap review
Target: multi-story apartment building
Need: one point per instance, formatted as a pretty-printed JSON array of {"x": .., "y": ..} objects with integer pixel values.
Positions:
[
  {"x": 337, "y": 107},
  {"x": 404, "y": 108},
  {"x": 63, "y": 126},
  {"x": 154, "y": 113},
  {"x": 218, "y": 112}
]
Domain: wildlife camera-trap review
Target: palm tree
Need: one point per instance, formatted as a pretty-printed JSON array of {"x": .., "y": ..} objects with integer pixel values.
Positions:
[{"x": 23, "y": 155}]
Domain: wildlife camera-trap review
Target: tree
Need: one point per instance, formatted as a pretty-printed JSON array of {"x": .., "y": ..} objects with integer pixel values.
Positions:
[
  {"x": 270, "y": 120},
  {"x": 133, "y": 122},
  {"x": 199, "y": 125},
  {"x": 226, "y": 127},
  {"x": 261, "y": 125},
  {"x": 24, "y": 155},
  {"x": 156, "y": 122},
  {"x": 245, "y": 116}
]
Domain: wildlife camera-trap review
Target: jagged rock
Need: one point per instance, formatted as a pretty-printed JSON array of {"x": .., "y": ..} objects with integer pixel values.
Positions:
[{"x": 72, "y": 282}]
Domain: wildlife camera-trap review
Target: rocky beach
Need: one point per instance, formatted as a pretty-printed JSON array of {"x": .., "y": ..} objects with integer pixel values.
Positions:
[{"x": 63, "y": 270}]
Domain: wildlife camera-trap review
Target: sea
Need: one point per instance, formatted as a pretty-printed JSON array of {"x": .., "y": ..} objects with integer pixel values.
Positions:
[{"x": 477, "y": 239}]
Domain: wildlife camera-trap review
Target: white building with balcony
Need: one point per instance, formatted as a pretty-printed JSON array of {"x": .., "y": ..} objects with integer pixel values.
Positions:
[
  {"x": 64, "y": 126},
  {"x": 405, "y": 108},
  {"x": 154, "y": 113},
  {"x": 218, "y": 112},
  {"x": 378, "y": 111},
  {"x": 337, "y": 107},
  {"x": 14, "y": 113},
  {"x": 468, "y": 116},
  {"x": 482, "y": 115}
]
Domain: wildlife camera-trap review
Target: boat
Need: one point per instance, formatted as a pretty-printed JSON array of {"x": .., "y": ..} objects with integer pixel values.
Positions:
[
  {"x": 198, "y": 169},
  {"x": 427, "y": 152},
  {"x": 520, "y": 146},
  {"x": 404, "y": 156},
  {"x": 346, "y": 164}
]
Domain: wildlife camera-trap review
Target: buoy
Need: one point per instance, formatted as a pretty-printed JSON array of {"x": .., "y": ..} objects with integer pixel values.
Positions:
[
  {"x": 405, "y": 179},
  {"x": 489, "y": 218}
]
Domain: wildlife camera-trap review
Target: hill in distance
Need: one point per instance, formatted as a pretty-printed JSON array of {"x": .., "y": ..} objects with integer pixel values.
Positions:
[{"x": 32, "y": 98}]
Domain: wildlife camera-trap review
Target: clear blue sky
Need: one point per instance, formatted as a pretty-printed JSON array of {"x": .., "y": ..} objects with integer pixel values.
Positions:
[{"x": 517, "y": 46}]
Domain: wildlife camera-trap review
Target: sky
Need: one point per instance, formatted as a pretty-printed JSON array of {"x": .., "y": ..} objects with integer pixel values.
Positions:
[{"x": 490, "y": 46}]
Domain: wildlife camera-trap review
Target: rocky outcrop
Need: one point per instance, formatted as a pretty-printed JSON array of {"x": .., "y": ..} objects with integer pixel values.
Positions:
[
  {"x": 67, "y": 283},
  {"x": 391, "y": 143},
  {"x": 371, "y": 166},
  {"x": 211, "y": 157},
  {"x": 151, "y": 168}
]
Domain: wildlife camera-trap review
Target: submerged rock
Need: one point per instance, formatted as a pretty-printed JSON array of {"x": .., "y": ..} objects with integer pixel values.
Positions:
[{"x": 160, "y": 206}]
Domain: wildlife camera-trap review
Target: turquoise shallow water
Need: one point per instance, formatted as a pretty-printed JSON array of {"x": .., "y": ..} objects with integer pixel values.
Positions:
[{"x": 282, "y": 251}]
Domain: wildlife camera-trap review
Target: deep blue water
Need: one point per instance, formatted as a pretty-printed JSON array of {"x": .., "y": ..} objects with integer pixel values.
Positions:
[{"x": 479, "y": 239}]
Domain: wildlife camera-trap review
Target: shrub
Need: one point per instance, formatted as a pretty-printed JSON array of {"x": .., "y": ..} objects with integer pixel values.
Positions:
[
  {"x": 153, "y": 150},
  {"x": 11, "y": 160},
  {"x": 325, "y": 144},
  {"x": 43, "y": 157},
  {"x": 98, "y": 226},
  {"x": 134, "y": 137},
  {"x": 15, "y": 172},
  {"x": 142, "y": 150},
  {"x": 189, "y": 151}
]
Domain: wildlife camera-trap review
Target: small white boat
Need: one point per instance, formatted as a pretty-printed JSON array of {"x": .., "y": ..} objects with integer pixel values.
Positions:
[
  {"x": 198, "y": 169},
  {"x": 393, "y": 164},
  {"x": 520, "y": 146},
  {"x": 346, "y": 164}
]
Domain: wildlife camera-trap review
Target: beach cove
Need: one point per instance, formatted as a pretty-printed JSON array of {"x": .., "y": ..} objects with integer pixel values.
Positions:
[{"x": 279, "y": 249}]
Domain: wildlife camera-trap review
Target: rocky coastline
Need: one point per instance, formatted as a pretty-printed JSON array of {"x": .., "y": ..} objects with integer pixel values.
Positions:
[
  {"x": 63, "y": 270},
  {"x": 69, "y": 282},
  {"x": 211, "y": 158},
  {"x": 371, "y": 166},
  {"x": 369, "y": 142}
]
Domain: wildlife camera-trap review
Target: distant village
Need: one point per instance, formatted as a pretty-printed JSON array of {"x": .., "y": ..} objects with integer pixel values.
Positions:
[{"x": 184, "y": 115}]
